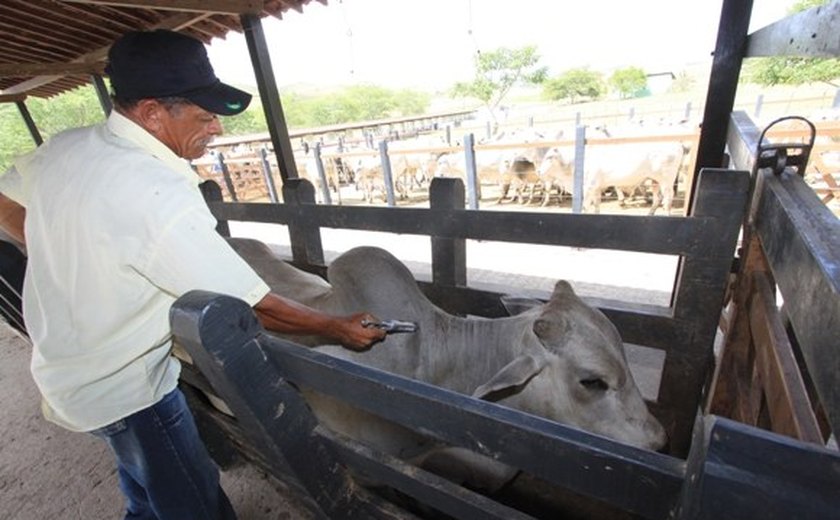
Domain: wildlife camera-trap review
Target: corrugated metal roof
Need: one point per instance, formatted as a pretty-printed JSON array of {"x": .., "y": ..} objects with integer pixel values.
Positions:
[{"x": 51, "y": 46}]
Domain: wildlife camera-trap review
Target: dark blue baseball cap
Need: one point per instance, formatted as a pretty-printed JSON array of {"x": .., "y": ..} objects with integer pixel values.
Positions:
[{"x": 161, "y": 63}]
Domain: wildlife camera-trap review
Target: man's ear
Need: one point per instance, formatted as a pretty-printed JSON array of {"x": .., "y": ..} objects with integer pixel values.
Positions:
[{"x": 148, "y": 113}]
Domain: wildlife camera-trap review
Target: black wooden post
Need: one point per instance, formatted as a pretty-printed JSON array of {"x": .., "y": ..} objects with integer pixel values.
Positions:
[
  {"x": 720, "y": 97},
  {"x": 102, "y": 93},
  {"x": 220, "y": 163},
  {"x": 449, "y": 255},
  {"x": 269, "y": 95},
  {"x": 387, "y": 176},
  {"x": 699, "y": 297},
  {"x": 213, "y": 193},
  {"x": 305, "y": 237},
  {"x": 580, "y": 150},
  {"x": 471, "y": 171},
  {"x": 322, "y": 174},
  {"x": 269, "y": 179}
]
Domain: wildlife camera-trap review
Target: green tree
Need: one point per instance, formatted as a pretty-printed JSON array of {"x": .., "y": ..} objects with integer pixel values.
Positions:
[
  {"x": 793, "y": 70},
  {"x": 355, "y": 103},
  {"x": 575, "y": 84},
  {"x": 497, "y": 71},
  {"x": 629, "y": 82},
  {"x": 75, "y": 108}
]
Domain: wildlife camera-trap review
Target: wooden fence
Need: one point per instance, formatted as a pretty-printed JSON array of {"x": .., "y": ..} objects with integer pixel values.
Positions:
[{"x": 254, "y": 175}]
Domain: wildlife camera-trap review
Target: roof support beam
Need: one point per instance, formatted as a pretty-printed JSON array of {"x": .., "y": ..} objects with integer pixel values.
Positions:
[
  {"x": 174, "y": 23},
  {"x": 26, "y": 70},
  {"x": 233, "y": 7}
]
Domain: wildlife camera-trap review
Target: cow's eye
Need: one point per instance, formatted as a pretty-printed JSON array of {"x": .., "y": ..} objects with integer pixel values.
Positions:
[{"x": 594, "y": 384}]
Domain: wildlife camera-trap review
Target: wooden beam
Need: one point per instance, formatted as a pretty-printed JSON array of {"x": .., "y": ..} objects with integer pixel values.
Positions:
[
  {"x": 174, "y": 23},
  {"x": 811, "y": 33},
  {"x": 43, "y": 69},
  {"x": 232, "y": 7},
  {"x": 12, "y": 98}
]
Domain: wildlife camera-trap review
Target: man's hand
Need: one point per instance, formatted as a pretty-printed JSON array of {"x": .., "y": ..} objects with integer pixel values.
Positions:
[
  {"x": 356, "y": 335},
  {"x": 280, "y": 314}
]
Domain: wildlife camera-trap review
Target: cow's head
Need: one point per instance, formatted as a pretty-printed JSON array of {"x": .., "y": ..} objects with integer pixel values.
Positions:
[{"x": 574, "y": 371}]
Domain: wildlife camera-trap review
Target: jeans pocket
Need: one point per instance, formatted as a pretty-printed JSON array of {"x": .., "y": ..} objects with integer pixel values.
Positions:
[
  {"x": 170, "y": 410},
  {"x": 110, "y": 430}
]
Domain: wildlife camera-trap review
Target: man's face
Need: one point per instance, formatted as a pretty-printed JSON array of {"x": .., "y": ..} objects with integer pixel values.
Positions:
[{"x": 187, "y": 129}]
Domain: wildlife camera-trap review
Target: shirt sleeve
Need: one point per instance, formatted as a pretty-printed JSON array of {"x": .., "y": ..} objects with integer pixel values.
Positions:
[
  {"x": 11, "y": 185},
  {"x": 189, "y": 254}
]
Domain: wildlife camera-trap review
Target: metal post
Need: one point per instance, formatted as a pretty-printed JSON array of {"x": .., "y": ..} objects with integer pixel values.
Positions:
[
  {"x": 386, "y": 172},
  {"x": 632, "y": 113},
  {"x": 836, "y": 103},
  {"x": 758, "y": 103},
  {"x": 577, "y": 189},
  {"x": 220, "y": 163},
  {"x": 30, "y": 123},
  {"x": 449, "y": 134},
  {"x": 489, "y": 130},
  {"x": 269, "y": 179},
  {"x": 471, "y": 170},
  {"x": 319, "y": 164},
  {"x": 687, "y": 111}
]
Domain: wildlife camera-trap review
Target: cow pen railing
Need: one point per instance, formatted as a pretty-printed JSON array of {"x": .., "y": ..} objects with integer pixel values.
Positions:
[
  {"x": 254, "y": 176},
  {"x": 684, "y": 331},
  {"x": 712, "y": 461}
]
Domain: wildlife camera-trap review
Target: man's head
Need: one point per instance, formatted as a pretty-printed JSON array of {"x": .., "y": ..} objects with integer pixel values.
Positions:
[{"x": 163, "y": 81}]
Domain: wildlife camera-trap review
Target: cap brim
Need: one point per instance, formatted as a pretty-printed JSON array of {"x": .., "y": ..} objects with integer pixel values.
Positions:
[{"x": 221, "y": 99}]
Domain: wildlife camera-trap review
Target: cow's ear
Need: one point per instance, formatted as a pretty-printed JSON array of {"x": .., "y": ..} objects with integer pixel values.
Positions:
[
  {"x": 551, "y": 329},
  {"x": 553, "y": 322},
  {"x": 518, "y": 304},
  {"x": 512, "y": 376}
]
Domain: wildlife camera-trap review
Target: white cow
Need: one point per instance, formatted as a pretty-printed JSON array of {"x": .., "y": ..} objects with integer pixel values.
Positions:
[
  {"x": 562, "y": 360},
  {"x": 621, "y": 166},
  {"x": 507, "y": 167}
]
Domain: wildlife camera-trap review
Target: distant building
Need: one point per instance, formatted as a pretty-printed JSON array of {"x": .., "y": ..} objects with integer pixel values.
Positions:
[{"x": 659, "y": 82}]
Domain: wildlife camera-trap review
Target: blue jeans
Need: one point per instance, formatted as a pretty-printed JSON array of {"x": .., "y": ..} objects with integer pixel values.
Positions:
[{"x": 164, "y": 469}]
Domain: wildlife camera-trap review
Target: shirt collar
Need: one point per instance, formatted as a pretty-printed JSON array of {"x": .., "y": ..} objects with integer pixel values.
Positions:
[{"x": 125, "y": 128}]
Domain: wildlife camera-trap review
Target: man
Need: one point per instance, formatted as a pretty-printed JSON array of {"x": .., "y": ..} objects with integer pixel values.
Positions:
[{"x": 116, "y": 229}]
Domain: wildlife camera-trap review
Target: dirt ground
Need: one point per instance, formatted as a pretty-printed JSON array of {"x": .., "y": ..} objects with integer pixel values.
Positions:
[{"x": 50, "y": 473}]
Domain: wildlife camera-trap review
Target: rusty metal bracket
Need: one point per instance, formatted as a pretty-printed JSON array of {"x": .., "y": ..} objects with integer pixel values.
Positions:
[{"x": 780, "y": 156}]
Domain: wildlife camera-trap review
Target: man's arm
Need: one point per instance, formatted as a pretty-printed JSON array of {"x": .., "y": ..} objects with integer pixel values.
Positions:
[
  {"x": 288, "y": 317},
  {"x": 12, "y": 216}
]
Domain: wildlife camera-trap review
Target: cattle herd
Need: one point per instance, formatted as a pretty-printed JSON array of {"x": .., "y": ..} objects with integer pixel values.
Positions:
[{"x": 524, "y": 166}]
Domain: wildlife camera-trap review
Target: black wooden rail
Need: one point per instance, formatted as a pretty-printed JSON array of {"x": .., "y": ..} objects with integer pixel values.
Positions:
[
  {"x": 729, "y": 473},
  {"x": 705, "y": 241}
]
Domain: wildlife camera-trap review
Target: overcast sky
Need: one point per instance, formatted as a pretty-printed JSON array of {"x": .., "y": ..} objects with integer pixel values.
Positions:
[{"x": 431, "y": 43}]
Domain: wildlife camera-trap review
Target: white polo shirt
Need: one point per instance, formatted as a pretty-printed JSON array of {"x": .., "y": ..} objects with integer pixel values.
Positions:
[{"x": 116, "y": 231}]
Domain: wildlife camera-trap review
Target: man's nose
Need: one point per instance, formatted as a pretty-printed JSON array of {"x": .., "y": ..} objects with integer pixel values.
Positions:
[{"x": 216, "y": 127}]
